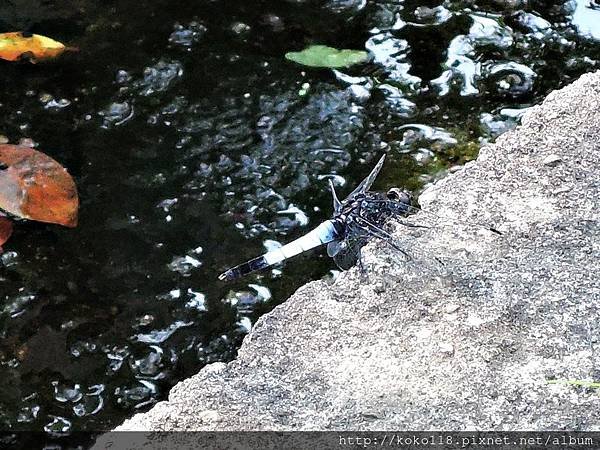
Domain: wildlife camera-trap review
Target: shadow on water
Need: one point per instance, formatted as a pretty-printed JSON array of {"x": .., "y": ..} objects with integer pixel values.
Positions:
[{"x": 194, "y": 142}]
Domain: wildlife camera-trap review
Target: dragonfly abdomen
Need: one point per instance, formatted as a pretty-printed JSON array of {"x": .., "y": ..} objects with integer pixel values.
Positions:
[
  {"x": 326, "y": 232},
  {"x": 253, "y": 265}
]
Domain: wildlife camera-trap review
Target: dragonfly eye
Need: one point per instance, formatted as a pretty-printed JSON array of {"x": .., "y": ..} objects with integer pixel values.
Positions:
[{"x": 399, "y": 196}]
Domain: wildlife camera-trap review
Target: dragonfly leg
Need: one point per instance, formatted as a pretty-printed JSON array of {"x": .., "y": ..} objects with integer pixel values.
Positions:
[
  {"x": 411, "y": 225},
  {"x": 364, "y": 274},
  {"x": 380, "y": 233},
  {"x": 393, "y": 245},
  {"x": 376, "y": 231},
  {"x": 410, "y": 208}
]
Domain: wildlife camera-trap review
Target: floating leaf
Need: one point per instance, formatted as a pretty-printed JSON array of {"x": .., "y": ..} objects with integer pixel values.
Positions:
[
  {"x": 6, "y": 228},
  {"x": 323, "y": 56},
  {"x": 16, "y": 46},
  {"x": 36, "y": 187}
]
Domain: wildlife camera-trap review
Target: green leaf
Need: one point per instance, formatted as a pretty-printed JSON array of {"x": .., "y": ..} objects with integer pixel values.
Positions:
[
  {"x": 579, "y": 383},
  {"x": 323, "y": 56}
]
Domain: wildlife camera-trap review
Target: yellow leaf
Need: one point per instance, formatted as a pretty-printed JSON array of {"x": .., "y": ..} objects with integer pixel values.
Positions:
[{"x": 14, "y": 46}]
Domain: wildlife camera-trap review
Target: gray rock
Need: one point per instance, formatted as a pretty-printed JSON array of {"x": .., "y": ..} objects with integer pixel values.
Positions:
[
  {"x": 552, "y": 160},
  {"x": 350, "y": 356}
]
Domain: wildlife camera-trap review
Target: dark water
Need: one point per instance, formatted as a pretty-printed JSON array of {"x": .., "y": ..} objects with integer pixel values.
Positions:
[{"x": 194, "y": 143}]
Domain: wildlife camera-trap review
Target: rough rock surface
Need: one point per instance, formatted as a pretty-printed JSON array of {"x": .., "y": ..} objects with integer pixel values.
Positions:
[{"x": 470, "y": 344}]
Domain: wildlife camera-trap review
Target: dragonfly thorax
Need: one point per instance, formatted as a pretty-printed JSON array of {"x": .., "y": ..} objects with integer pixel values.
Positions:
[
  {"x": 369, "y": 207},
  {"x": 361, "y": 217}
]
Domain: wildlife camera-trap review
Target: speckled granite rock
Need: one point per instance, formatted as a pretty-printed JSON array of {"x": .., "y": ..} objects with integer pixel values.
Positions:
[{"x": 470, "y": 344}]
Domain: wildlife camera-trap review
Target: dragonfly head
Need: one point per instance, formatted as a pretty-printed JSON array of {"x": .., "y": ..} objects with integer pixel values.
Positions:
[{"x": 399, "y": 196}]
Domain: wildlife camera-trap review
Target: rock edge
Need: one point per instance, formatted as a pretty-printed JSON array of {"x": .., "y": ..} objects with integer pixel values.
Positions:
[{"x": 470, "y": 344}]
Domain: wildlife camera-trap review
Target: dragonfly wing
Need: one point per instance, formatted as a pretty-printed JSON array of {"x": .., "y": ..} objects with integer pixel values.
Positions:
[
  {"x": 348, "y": 253},
  {"x": 333, "y": 248},
  {"x": 337, "y": 205},
  {"x": 346, "y": 259},
  {"x": 367, "y": 182}
]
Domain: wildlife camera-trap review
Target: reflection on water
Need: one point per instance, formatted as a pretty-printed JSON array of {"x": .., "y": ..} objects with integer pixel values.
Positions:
[
  {"x": 586, "y": 17},
  {"x": 196, "y": 145}
]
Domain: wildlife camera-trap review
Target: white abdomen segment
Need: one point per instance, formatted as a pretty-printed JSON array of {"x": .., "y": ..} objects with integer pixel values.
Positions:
[{"x": 323, "y": 234}]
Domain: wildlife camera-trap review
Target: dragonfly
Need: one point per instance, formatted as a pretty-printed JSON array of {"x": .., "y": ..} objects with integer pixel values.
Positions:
[{"x": 359, "y": 218}]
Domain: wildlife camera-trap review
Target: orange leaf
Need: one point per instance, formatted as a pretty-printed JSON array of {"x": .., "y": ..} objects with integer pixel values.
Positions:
[
  {"x": 36, "y": 187},
  {"x": 6, "y": 228},
  {"x": 14, "y": 46}
]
